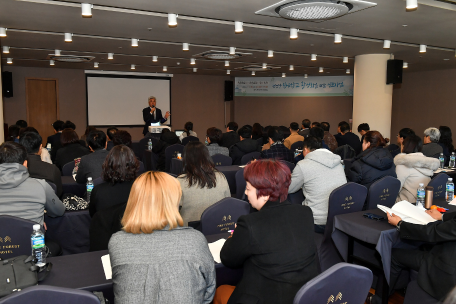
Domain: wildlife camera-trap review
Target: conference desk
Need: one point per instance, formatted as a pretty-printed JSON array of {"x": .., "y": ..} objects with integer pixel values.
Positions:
[
  {"x": 450, "y": 172},
  {"x": 85, "y": 271}
]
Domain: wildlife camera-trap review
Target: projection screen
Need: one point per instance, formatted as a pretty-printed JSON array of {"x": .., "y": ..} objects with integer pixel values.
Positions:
[{"x": 118, "y": 100}]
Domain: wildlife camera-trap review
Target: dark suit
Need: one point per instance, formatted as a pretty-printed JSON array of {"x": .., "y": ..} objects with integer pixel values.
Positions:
[
  {"x": 276, "y": 248},
  {"x": 229, "y": 139},
  {"x": 248, "y": 145},
  {"x": 42, "y": 170},
  {"x": 304, "y": 133},
  {"x": 53, "y": 138},
  {"x": 90, "y": 166},
  {"x": 350, "y": 139},
  {"x": 149, "y": 118},
  {"x": 278, "y": 151},
  {"x": 69, "y": 153}
]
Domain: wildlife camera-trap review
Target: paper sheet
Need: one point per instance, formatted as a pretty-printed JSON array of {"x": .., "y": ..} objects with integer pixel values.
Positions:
[
  {"x": 453, "y": 202},
  {"x": 215, "y": 249},
  {"x": 409, "y": 213},
  {"x": 443, "y": 170},
  {"x": 106, "y": 261}
]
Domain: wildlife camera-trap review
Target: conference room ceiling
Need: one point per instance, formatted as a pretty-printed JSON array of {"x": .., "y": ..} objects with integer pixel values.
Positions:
[{"x": 35, "y": 30}]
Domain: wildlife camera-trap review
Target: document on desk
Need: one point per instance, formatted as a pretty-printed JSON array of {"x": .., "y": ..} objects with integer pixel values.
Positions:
[
  {"x": 215, "y": 249},
  {"x": 443, "y": 170},
  {"x": 408, "y": 213},
  {"x": 106, "y": 261}
]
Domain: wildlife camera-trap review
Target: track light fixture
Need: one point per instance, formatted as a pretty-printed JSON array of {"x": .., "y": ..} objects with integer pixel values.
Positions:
[
  {"x": 320, "y": 70},
  {"x": 386, "y": 44},
  {"x": 294, "y": 33},
  {"x": 165, "y": 68},
  {"x": 284, "y": 75},
  {"x": 51, "y": 62},
  {"x": 6, "y": 49},
  {"x": 172, "y": 20},
  {"x": 95, "y": 64},
  {"x": 110, "y": 56},
  {"x": 345, "y": 60},
  {"x": 57, "y": 52},
  {"x": 238, "y": 27},
  {"x": 291, "y": 67},
  {"x": 232, "y": 50},
  {"x": 134, "y": 42},
  {"x": 337, "y": 38},
  {"x": 86, "y": 10},
  {"x": 3, "y": 31},
  {"x": 133, "y": 67},
  {"x": 68, "y": 37},
  {"x": 185, "y": 47}
]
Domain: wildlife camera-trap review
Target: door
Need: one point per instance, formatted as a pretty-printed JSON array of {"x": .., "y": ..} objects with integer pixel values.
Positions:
[{"x": 42, "y": 105}]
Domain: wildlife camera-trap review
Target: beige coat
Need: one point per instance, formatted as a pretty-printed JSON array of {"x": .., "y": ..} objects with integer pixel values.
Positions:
[{"x": 413, "y": 169}]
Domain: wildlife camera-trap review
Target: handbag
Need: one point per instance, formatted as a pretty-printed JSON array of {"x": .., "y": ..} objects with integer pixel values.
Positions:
[
  {"x": 74, "y": 202},
  {"x": 20, "y": 272}
]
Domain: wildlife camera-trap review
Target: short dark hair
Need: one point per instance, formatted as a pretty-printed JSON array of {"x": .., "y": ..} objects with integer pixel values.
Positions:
[
  {"x": 69, "y": 124},
  {"x": 122, "y": 138},
  {"x": 406, "y": 132},
  {"x": 363, "y": 127},
  {"x": 306, "y": 123},
  {"x": 111, "y": 132},
  {"x": 412, "y": 144},
  {"x": 96, "y": 140},
  {"x": 245, "y": 132},
  {"x": 22, "y": 123},
  {"x": 27, "y": 129},
  {"x": 375, "y": 139},
  {"x": 315, "y": 124},
  {"x": 294, "y": 126},
  {"x": 325, "y": 126},
  {"x": 90, "y": 129},
  {"x": 12, "y": 153},
  {"x": 214, "y": 135},
  {"x": 232, "y": 126},
  {"x": 120, "y": 165},
  {"x": 69, "y": 136},
  {"x": 312, "y": 143},
  {"x": 31, "y": 142},
  {"x": 58, "y": 125},
  {"x": 317, "y": 132},
  {"x": 344, "y": 126},
  {"x": 198, "y": 165},
  {"x": 275, "y": 134},
  {"x": 13, "y": 131}
]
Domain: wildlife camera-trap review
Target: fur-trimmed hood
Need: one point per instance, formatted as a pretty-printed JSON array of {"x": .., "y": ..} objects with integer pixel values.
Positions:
[{"x": 425, "y": 165}]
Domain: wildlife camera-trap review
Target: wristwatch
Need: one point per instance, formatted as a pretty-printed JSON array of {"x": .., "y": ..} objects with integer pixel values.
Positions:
[{"x": 398, "y": 226}]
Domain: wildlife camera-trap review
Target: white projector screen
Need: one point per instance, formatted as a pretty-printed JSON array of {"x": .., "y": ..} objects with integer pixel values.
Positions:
[{"x": 118, "y": 100}]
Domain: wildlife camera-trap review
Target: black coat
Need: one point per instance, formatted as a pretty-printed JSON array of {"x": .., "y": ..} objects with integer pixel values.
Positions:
[
  {"x": 246, "y": 146},
  {"x": 166, "y": 139},
  {"x": 276, "y": 248},
  {"x": 149, "y": 118},
  {"x": 229, "y": 139},
  {"x": 42, "y": 170},
  {"x": 70, "y": 153},
  {"x": 91, "y": 166},
  {"x": 104, "y": 224},
  {"x": 106, "y": 195},
  {"x": 437, "y": 274},
  {"x": 350, "y": 139},
  {"x": 370, "y": 166}
]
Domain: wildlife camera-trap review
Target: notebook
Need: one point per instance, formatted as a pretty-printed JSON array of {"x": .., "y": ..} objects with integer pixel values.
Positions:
[
  {"x": 408, "y": 213},
  {"x": 215, "y": 249}
]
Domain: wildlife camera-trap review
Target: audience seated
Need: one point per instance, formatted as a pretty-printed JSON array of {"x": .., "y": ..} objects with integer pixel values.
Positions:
[
  {"x": 91, "y": 164},
  {"x": 69, "y": 124},
  {"x": 213, "y": 139},
  {"x": 245, "y": 146},
  {"x": 346, "y": 137},
  {"x": 167, "y": 138},
  {"x": 13, "y": 133},
  {"x": 257, "y": 131},
  {"x": 304, "y": 132},
  {"x": 55, "y": 139},
  {"x": 45, "y": 156},
  {"x": 202, "y": 185},
  {"x": 87, "y": 131},
  {"x": 294, "y": 136},
  {"x": 431, "y": 147},
  {"x": 318, "y": 174},
  {"x": 230, "y": 137},
  {"x": 110, "y": 132},
  {"x": 21, "y": 195},
  {"x": 21, "y": 123},
  {"x": 57, "y": 145},
  {"x": 32, "y": 143},
  {"x": 118, "y": 172},
  {"x": 122, "y": 138},
  {"x": 154, "y": 257},
  {"x": 363, "y": 129},
  {"x": 373, "y": 163},
  {"x": 316, "y": 124},
  {"x": 71, "y": 148},
  {"x": 274, "y": 267},
  {"x": 413, "y": 168},
  {"x": 188, "y": 128},
  {"x": 446, "y": 142},
  {"x": 276, "y": 148},
  {"x": 403, "y": 134},
  {"x": 328, "y": 138},
  {"x": 320, "y": 134}
]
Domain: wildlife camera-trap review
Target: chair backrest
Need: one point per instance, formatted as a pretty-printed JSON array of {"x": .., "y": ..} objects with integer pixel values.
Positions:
[
  {"x": 15, "y": 236},
  {"x": 249, "y": 156},
  {"x": 53, "y": 186},
  {"x": 67, "y": 169},
  {"x": 345, "y": 151},
  {"x": 297, "y": 145},
  {"x": 383, "y": 192},
  {"x": 290, "y": 165},
  {"x": 97, "y": 181},
  {"x": 143, "y": 144},
  {"x": 439, "y": 184},
  {"x": 335, "y": 285},
  {"x": 136, "y": 148},
  {"x": 296, "y": 198},
  {"x": 141, "y": 168},
  {"x": 188, "y": 139},
  {"x": 240, "y": 184},
  {"x": 46, "y": 294},
  {"x": 170, "y": 153},
  {"x": 222, "y": 160},
  {"x": 173, "y": 175},
  {"x": 222, "y": 216}
]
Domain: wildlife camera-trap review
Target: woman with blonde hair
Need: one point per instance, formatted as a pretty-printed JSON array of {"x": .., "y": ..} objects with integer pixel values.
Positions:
[{"x": 154, "y": 259}]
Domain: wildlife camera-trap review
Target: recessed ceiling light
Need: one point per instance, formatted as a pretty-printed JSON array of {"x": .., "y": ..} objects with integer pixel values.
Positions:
[
  {"x": 305, "y": 75},
  {"x": 134, "y": 42},
  {"x": 185, "y": 47},
  {"x": 337, "y": 38},
  {"x": 238, "y": 27},
  {"x": 172, "y": 20},
  {"x": 3, "y": 31},
  {"x": 404, "y": 25},
  {"x": 178, "y": 63},
  {"x": 68, "y": 37},
  {"x": 6, "y": 49},
  {"x": 86, "y": 10},
  {"x": 110, "y": 56},
  {"x": 154, "y": 58},
  {"x": 294, "y": 33},
  {"x": 446, "y": 59}
]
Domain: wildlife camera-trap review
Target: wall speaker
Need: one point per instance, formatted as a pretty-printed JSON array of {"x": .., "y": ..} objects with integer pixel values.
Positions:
[
  {"x": 7, "y": 84},
  {"x": 228, "y": 90},
  {"x": 394, "y": 71}
]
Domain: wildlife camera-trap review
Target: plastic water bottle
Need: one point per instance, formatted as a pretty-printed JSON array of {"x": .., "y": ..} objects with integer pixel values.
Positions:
[
  {"x": 149, "y": 144},
  {"x": 452, "y": 160},
  {"x": 442, "y": 160},
  {"x": 89, "y": 187},
  {"x": 420, "y": 196},
  {"x": 449, "y": 190},
  {"x": 296, "y": 153},
  {"x": 38, "y": 246}
]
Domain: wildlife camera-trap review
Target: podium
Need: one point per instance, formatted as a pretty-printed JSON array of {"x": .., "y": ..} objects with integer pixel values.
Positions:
[{"x": 158, "y": 129}]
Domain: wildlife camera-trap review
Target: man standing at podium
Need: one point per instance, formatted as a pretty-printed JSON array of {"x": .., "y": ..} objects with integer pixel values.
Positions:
[{"x": 151, "y": 114}]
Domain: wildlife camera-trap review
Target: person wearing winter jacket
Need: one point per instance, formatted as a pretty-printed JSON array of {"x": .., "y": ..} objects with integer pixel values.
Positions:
[
  {"x": 413, "y": 168},
  {"x": 245, "y": 146}
]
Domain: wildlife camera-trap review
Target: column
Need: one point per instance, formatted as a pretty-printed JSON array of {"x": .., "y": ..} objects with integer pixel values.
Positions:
[{"x": 372, "y": 97}]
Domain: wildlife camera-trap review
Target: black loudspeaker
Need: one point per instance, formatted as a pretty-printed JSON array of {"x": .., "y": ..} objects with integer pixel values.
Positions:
[
  {"x": 394, "y": 71},
  {"x": 7, "y": 84},
  {"x": 228, "y": 90}
]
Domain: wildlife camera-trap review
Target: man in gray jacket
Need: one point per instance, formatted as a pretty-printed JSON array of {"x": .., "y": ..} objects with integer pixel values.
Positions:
[
  {"x": 23, "y": 196},
  {"x": 318, "y": 174}
]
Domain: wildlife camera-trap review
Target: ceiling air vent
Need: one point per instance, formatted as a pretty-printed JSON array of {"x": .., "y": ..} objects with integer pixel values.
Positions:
[
  {"x": 221, "y": 55},
  {"x": 70, "y": 58},
  {"x": 314, "y": 10},
  {"x": 257, "y": 68}
]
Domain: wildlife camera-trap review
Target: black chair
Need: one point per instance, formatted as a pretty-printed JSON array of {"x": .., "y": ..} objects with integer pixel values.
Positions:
[
  {"x": 439, "y": 184},
  {"x": 290, "y": 165},
  {"x": 53, "y": 186},
  {"x": 415, "y": 294},
  {"x": 15, "y": 232},
  {"x": 222, "y": 160},
  {"x": 67, "y": 169},
  {"x": 297, "y": 146},
  {"x": 383, "y": 192},
  {"x": 222, "y": 216},
  {"x": 347, "y": 198},
  {"x": 338, "y": 283},
  {"x": 240, "y": 184},
  {"x": 296, "y": 198},
  {"x": 188, "y": 139},
  {"x": 45, "y": 294},
  {"x": 249, "y": 157},
  {"x": 143, "y": 145},
  {"x": 170, "y": 153},
  {"x": 345, "y": 152},
  {"x": 141, "y": 168}
]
